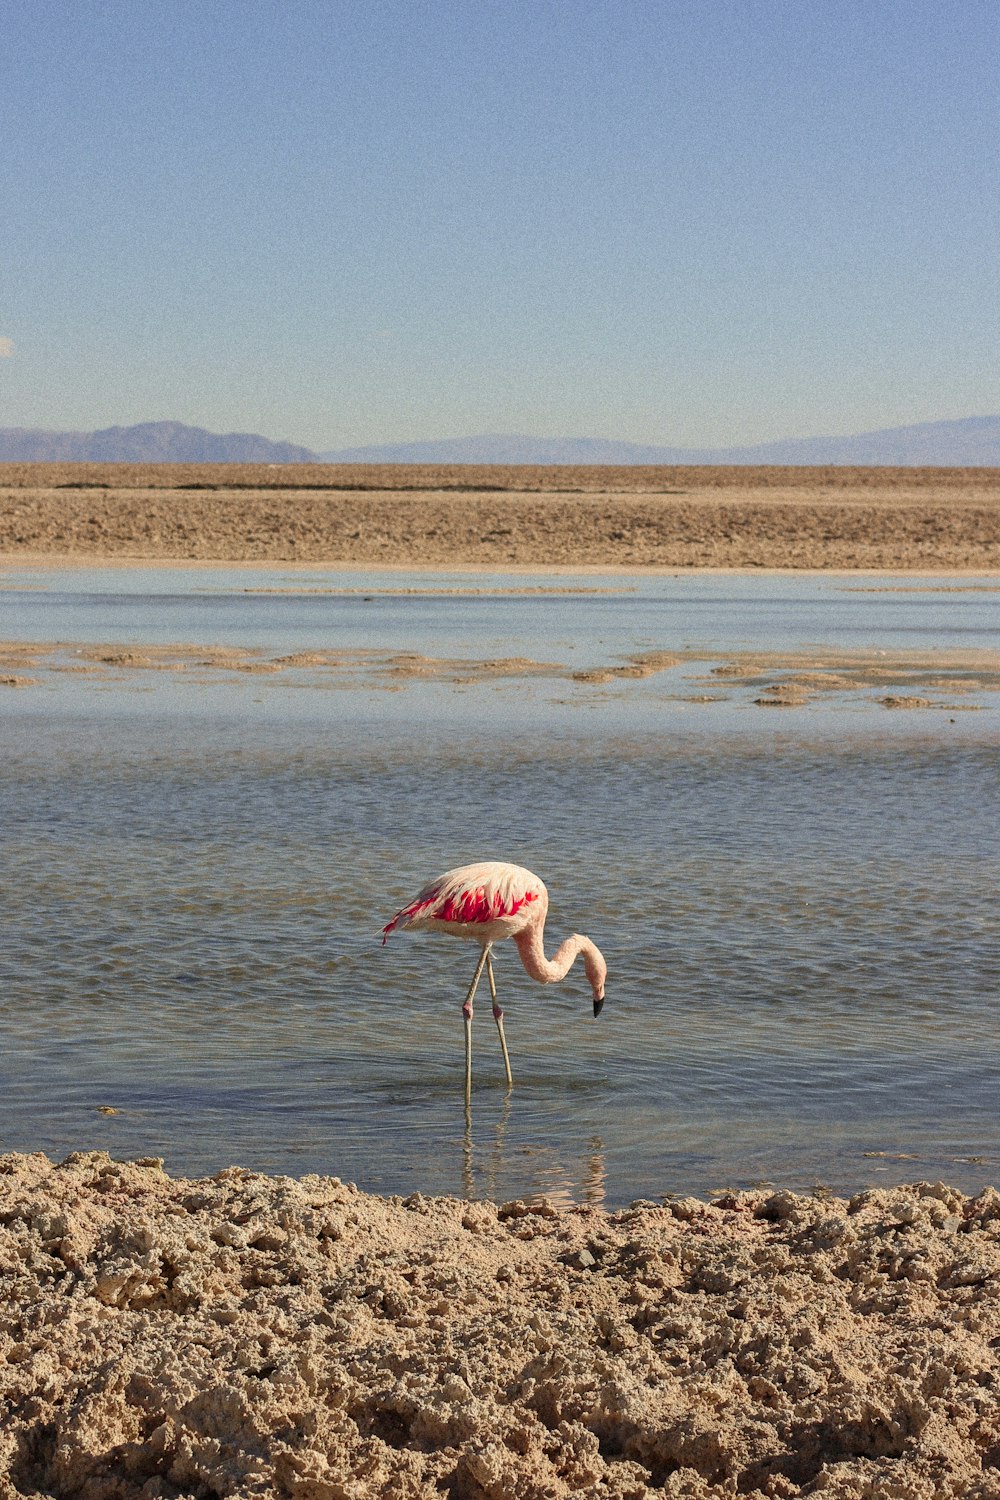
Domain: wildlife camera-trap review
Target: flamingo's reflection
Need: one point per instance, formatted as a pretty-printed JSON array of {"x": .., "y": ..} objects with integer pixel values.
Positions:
[{"x": 487, "y": 1168}]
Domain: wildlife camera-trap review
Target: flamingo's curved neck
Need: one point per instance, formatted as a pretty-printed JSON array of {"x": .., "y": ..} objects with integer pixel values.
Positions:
[{"x": 550, "y": 970}]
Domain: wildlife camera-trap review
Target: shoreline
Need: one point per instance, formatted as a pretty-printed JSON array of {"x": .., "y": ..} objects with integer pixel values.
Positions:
[
  {"x": 80, "y": 561},
  {"x": 298, "y": 1337}
]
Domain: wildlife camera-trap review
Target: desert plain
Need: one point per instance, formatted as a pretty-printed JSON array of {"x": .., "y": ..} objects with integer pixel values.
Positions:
[
  {"x": 506, "y": 517},
  {"x": 244, "y": 1335}
]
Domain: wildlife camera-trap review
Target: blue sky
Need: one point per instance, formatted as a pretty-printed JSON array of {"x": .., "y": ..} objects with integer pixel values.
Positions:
[{"x": 695, "y": 222}]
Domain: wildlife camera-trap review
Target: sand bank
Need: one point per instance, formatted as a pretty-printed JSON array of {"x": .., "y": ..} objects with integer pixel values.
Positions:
[
  {"x": 509, "y": 516},
  {"x": 246, "y": 1335},
  {"x": 955, "y": 680}
]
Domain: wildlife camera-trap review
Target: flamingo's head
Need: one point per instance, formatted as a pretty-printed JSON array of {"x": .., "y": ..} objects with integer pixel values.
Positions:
[{"x": 597, "y": 973}]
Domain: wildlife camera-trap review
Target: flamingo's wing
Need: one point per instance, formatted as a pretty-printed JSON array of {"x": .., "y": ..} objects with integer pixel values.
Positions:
[{"x": 470, "y": 893}]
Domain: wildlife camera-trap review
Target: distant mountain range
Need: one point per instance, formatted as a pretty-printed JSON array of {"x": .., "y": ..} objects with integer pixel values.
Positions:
[
  {"x": 968, "y": 443},
  {"x": 148, "y": 443},
  {"x": 971, "y": 442}
]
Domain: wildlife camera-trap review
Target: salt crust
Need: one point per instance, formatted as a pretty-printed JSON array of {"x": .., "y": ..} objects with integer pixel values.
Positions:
[{"x": 253, "y": 1336}]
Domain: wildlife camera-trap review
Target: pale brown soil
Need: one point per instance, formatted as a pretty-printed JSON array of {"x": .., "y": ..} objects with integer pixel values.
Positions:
[
  {"x": 470, "y": 516},
  {"x": 253, "y": 1336}
]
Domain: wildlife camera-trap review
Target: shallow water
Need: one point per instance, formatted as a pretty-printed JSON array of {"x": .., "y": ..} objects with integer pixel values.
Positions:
[
  {"x": 798, "y": 910},
  {"x": 536, "y": 615}
]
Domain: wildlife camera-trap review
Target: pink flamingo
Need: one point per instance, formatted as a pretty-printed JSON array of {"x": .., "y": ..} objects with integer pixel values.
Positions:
[{"x": 488, "y": 902}]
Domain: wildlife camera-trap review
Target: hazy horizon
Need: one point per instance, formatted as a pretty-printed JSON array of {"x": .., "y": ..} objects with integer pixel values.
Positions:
[{"x": 971, "y": 442}]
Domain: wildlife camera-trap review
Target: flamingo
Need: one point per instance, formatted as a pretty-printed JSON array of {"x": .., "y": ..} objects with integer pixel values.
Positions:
[{"x": 489, "y": 902}]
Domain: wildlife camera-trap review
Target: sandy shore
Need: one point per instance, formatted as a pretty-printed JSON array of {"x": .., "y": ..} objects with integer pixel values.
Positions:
[
  {"x": 470, "y": 516},
  {"x": 246, "y": 1335}
]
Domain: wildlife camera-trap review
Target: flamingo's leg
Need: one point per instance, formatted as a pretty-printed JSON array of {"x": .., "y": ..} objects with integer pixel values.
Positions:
[
  {"x": 467, "y": 1013},
  {"x": 498, "y": 1017}
]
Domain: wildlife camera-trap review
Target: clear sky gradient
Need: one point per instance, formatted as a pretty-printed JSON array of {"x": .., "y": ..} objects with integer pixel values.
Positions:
[{"x": 692, "y": 222}]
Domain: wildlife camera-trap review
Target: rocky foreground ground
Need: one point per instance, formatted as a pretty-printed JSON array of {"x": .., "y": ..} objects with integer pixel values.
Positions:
[
  {"x": 245, "y": 1335},
  {"x": 471, "y": 516}
]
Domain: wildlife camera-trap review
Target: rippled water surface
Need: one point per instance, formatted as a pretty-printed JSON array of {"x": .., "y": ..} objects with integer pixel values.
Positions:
[{"x": 798, "y": 910}]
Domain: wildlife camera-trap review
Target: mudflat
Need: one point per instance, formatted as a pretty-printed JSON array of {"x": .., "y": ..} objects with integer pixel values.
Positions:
[
  {"x": 507, "y": 516},
  {"x": 251, "y": 1335},
  {"x": 775, "y": 679}
]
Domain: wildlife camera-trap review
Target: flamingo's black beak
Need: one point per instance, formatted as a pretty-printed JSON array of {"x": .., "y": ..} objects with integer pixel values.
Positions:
[{"x": 598, "y": 1006}]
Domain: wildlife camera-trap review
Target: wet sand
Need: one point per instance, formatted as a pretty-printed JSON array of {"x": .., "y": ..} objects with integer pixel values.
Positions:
[
  {"x": 506, "y": 517},
  {"x": 246, "y": 1335},
  {"x": 951, "y": 680}
]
